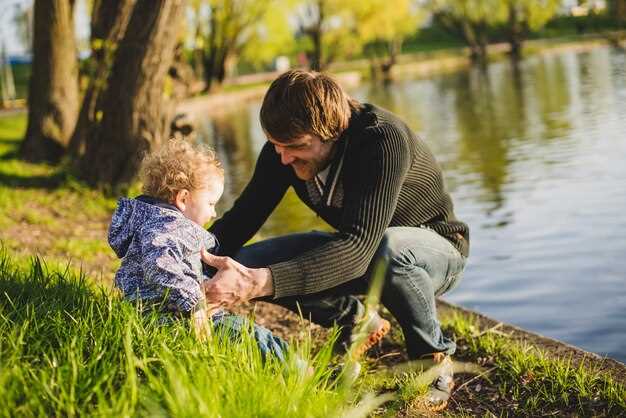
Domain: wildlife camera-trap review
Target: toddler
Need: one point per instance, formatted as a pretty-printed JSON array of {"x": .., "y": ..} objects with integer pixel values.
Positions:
[{"x": 160, "y": 235}]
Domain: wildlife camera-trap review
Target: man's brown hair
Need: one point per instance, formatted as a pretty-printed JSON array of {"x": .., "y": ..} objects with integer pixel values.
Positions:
[{"x": 302, "y": 102}]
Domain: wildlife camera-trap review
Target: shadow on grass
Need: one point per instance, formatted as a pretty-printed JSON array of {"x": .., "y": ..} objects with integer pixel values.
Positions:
[
  {"x": 39, "y": 291},
  {"x": 8, "y": 141},
  {"x": 49, "y": 182},
  {"x": 25, "y": 181},
  {"x": 9, "y": 155}
]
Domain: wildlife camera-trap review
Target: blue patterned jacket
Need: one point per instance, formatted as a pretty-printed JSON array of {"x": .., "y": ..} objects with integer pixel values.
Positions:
[{"x": 160, "y": 252}]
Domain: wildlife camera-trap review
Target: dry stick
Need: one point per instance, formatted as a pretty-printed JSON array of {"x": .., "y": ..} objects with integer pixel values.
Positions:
[
  {"x": 392, "y": 354},
  {"x": 494, "y": 328},
  {"x": 474, "y": 378}
]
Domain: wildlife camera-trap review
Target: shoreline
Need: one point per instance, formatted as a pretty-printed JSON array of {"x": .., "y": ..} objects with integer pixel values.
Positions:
[
  {"x": 417, "y": 65},
  {"x": 553, "y": 348}
]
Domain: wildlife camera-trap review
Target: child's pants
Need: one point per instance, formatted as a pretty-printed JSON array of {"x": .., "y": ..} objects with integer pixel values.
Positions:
[{"x": 234, "y": 325}]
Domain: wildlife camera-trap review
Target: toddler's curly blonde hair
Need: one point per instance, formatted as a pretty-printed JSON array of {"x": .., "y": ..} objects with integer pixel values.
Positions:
[{"x": 179, "y": 165}]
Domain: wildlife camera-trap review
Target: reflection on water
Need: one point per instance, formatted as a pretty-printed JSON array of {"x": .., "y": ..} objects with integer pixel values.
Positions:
[{"x": 533, "y": 157}]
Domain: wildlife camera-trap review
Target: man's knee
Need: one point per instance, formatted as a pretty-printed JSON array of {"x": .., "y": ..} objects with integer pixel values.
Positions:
[{"x": 391, "y": 248}]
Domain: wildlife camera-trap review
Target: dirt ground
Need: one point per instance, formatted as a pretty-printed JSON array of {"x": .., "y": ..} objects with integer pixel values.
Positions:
[{"x": 474, "y": 395}]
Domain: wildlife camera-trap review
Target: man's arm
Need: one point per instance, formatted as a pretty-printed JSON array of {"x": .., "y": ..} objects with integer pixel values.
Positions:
[{"x": 257, "y": 201}]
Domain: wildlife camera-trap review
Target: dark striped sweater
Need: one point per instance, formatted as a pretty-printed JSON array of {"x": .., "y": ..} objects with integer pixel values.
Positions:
[{"x": 387, "y": 177}]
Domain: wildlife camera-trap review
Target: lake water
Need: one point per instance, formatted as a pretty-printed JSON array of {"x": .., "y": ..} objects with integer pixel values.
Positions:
[{"x": 535, "y": 159}]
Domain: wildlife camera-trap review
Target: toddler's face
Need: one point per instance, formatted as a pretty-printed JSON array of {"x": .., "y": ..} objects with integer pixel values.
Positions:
[{"x": 199, "y": 205}]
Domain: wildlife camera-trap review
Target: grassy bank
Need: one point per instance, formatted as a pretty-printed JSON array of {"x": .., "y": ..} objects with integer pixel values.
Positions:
[
  {"x": 45, "y": 211},
  {"x": 524, "y": 378},
  {"x": 69, "y": 346}
]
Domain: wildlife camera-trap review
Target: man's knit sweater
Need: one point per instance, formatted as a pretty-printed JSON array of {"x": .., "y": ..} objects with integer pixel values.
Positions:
[{"x": 382, "y": 175}]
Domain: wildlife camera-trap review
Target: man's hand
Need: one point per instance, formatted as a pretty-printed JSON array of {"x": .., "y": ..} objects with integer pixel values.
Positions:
[{"x": 235, "y": 283}]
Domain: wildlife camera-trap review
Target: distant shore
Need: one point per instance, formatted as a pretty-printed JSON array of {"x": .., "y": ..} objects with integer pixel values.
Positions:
[{"x": 350, "y": 74}]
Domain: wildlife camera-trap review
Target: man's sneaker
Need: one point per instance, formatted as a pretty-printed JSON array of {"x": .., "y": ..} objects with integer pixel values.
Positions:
[
  {"x": 372, "y": 332},
  {"x": 441, "y": 389}
]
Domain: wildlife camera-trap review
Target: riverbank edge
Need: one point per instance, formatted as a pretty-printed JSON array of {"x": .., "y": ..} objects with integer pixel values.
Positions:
[
  {"x": 418, "y": 65},
  {"x": 553, "y": 348}
]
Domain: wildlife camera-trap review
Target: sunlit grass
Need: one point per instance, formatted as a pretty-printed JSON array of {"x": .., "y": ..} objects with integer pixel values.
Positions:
[
  {"x": 68, "y": 348},
  {"x": 535, "y": 381},
  {"x": 44, "y": 210}
]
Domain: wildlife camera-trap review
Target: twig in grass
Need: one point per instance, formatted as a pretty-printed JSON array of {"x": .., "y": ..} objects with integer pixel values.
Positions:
[
  {"x": 392, "y": 354},
  {"x": 493, "y": 329},
  {"x": 474, "y": 378}
]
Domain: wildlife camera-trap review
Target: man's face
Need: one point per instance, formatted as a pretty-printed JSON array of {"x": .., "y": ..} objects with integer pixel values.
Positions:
[{"x": 307, "y": 154}]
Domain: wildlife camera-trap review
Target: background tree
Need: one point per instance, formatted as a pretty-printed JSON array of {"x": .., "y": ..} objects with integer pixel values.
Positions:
[
  {"x": 383, "y": 25},
  {"x": 53, "y": 96},
  {"x": 470, "y": 20},
  {"x": 135, "y": 115},
  {"x": 330, "y": 30},
  {"x": 524, "y": 16},
  {"x": 7, "y": 84},
  {"x": 23, "y": 20},
  {"x": 618, "y": 10},
  {"x": 109, "y": 19},
  {"x": 234, "y": 28},
  {"x": 271, "y": 38}
]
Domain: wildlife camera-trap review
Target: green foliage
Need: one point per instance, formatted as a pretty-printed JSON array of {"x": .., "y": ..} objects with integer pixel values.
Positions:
[
  {"x": 228, "y": 30},
  {"x": 479, "y": 21},
  {"x": 473, "y": 11},
  {"x": 270, "y": 37},
  {"x": 532, "y": 13},
  {"x": 329, "y": 29},
  {"x": 387, "y": 23}
]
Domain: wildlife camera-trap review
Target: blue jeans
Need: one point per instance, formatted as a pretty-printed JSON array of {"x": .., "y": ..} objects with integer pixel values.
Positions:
[
  {"x": 421, "y": 265},
  {"x": 234, "y": 325}
]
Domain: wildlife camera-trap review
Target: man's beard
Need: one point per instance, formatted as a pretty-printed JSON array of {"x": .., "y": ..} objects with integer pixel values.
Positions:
[{"x": 306, "y": 170}]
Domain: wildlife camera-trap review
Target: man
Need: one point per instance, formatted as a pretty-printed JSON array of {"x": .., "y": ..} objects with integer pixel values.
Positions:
[{"x": 364, "y": 172}]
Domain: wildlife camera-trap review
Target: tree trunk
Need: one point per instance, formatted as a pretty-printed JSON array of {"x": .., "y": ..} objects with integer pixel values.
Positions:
[
  {"x": 619, "y": 10},
  {"x": 393, "y": 47},
  {"x": 211, "y": 50},
  {"x": 135, "y": 119},
  {"x": 515, "y": 33},
  {"x": 108, "y": 24},
  {"x": 53, "y": 97},
  {"x": 316, "y": 37},
  {"x": 471, "y": 39},
  {"x": 316, "y": 56},
  {"x": 197, "y": 56}
]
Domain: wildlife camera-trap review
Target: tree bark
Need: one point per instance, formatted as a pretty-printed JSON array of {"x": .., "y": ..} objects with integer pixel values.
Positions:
[
  {"x": 618, "y": 8},
  {"x": 515, "y": 33},
  {"x": 53, "y": 96},
  {"x": 135, "y": 112},
  {"x": 316, "y": 33},
  {"x": 108, "y": 24}
]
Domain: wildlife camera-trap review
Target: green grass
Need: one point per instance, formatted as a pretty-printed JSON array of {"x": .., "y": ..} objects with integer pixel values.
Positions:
[
  {"x": 44, "y": 210},
  {"x": 534, "y": 382},
  {"x": 68, "y": 348}
]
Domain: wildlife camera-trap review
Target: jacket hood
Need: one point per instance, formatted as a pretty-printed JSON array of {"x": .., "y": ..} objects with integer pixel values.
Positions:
[{"x": 127, "y": 220}]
